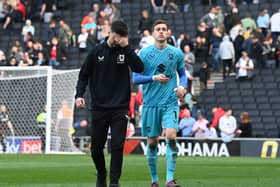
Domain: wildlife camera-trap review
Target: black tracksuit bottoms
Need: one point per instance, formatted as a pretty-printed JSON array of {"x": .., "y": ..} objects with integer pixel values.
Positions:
[{"x": 117, "y": 120}]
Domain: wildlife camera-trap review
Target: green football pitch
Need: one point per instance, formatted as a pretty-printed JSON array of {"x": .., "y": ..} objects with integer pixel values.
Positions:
[{"x": 78, "y": 171}]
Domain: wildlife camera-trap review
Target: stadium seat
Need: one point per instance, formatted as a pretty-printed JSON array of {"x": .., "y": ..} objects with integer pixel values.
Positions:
[{"x": 248, "y": 99}]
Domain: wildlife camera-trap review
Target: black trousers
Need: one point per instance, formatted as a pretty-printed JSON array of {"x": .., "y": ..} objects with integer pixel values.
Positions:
[
  {"x": 227, "y": 67},
  {"x": 101, "y": 121}
]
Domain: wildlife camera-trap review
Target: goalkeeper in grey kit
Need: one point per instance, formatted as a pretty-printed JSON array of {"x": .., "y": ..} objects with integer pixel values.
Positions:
[
  {"x": 4, "y": 124},
  {"x": 107, "y": 71}
]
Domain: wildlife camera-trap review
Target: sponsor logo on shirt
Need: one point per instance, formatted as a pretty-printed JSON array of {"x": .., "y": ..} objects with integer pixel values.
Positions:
[
  {"x": 100, "y": 58},
  {"x": 170, "y": 56},
  {"x": 120, "y": 59}
]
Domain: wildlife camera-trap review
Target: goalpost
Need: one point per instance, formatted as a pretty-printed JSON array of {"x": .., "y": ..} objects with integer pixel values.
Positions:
[{"x": 29, "y": 91}]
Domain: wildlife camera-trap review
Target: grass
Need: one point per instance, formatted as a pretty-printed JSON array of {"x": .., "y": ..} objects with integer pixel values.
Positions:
[{"x": 78, "y": 171}]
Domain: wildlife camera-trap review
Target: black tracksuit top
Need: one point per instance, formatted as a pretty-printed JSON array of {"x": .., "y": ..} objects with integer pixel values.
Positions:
[{"x": 107, "y": 71}]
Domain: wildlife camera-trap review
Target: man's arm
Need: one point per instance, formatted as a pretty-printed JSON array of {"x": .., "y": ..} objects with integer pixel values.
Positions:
[
  {"x": 83, "y": 80},
  {"x": 10, "y": 126},
  {"x": 135, "y": 62},
  {"x": 142, "y": 79},
  {"x": 182, "y": 83}
]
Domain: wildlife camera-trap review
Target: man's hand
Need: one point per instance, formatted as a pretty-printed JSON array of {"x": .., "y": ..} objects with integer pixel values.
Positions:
[
  {"x": 181, "y": 91},
  {"x": 80, "y": 102},
  {"x": 160, "y": 78},
  {"x": 123, "y": 42}
]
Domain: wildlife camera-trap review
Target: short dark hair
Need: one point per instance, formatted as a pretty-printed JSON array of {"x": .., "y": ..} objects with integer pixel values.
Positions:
[
  {"x": 159, "y": 21},
  {"x": 119, "y": 27}
]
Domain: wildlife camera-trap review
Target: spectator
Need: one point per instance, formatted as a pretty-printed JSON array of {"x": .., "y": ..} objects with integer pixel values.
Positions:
[
  {"x": 245, "y": 127},
  {"x": 147, "y": 39},
  {"x": 5, "y": 123},
  {"x": 51, "y": 32},
  {"x": 20, "y": 11},
  {"x": 15, "y": 53},
  {"x": 204, "y": 76},
  {"x": 275, "y": 25},
  {"x": 188, "y": 100},
  {"x": 238, "y": 45},
  {"x": 28, "y": 61},
  {"x": 158, "y": 6},
  {"x": 210, "y": 18},
  {"x": 12, "y": 62},
  {"x": 256, "y": 52},
  {"x": 217, "y": 112},
  {"x": 227, "y": 126},
  {"x": 47, "y": 9},
  {"x": 220, "y": 16},
  {"x": 3, "y": 11},
  {"x": 3, "y": 59},
  {"x": 186, "y": 124},
  {"x": 185, "y": 40},
  {"x": 201, "y": 51},
  {"x": 54, "y": 53},
  {"x": 9, "y": 18},
  {"x": 91, "y": 39},
  {"x": 210, "y": 132},
  {"x": 41, "y": 59},
  {"x": 231, "y": 20},
  {"x": 171, "y": 38},
  {"x": 248, "y": 21},
  {"x": 72, "y": 40},
  {"x": 172, "y": 7},
  {"x": 108, "y": 11},
  {"x": 63, "y": 33},
  {"x": 200, "y": 126},
  {"x": 102, "y": 18},
  {"x": 215, "y": 40},
  {"x": 244, "y": 67},
  {"x": 88, "y": 22},
  {"x": 269, "y": 51},
  {"x": 95, "y": 10},
  {"x": 145, "y": 22},
  {"x": 277, "y": 51},
  {"x": 263, "y": 21},
  {"x": 82, "y": 40},
  {"x": 28, "y": 28},
  {"x": 103, "y": 31},
  {"x": 116, "y": 14},
  {"x": 63, "y": 126},
  {"x": 227, "y": 54},
  {"x": 189, "y": 59}
]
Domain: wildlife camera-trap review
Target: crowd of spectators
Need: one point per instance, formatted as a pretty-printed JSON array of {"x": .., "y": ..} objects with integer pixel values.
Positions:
[
  {"x": 52, "y": 47},
  {"x": 224, "y": 41}
]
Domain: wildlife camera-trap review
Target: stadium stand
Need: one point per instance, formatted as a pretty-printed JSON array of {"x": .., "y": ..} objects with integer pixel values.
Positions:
[{"x": 260, "y": 97}]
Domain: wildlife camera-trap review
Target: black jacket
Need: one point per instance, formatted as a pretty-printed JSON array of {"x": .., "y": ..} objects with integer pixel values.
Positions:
[{"x": 107, "y": 71}]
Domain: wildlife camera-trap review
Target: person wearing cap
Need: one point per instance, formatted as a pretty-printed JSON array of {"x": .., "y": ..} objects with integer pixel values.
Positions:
[{"x": 106, "y": 71}]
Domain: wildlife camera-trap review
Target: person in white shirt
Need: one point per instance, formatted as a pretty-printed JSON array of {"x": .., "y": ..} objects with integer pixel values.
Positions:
[
  {"x": 275, "y": 25},
  {"x": 82, "y": 40},
  {"x": 227, "y": 126},
  {"x": 28, "y": 28},
  {"x": 147, "y": 39},
  {"x": 244, "y": 67},
  {"x": 227, "y": 55}
]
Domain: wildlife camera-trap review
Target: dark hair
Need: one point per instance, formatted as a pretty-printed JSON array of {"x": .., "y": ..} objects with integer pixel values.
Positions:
[
  {"x": 157, "y": 22},
  {"x": 119, "y": 27}
]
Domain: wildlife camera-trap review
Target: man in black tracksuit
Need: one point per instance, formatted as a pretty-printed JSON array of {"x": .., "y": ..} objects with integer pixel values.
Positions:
[{"x": 106, "y": 69}]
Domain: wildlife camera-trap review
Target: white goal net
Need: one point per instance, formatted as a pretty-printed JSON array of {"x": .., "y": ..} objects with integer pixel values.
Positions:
[{"x": 39, "y": 103}]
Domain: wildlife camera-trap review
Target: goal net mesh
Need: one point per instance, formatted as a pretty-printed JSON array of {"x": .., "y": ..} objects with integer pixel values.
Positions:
[{"x": 28, "y": 91}]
